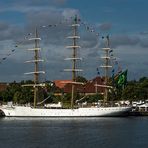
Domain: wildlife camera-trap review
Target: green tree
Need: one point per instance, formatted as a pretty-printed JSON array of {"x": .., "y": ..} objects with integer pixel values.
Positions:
[
  {"x": 81, "y": 79},
  {"x": 17, "y": 97}
]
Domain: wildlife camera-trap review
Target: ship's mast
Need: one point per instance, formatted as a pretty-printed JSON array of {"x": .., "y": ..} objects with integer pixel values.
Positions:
[
  {"x": 36, "y": 71},
  {"x": 36, "y": 75},
  {"x": 106, "y": 67},
  {"x": 74, "y": 58}
]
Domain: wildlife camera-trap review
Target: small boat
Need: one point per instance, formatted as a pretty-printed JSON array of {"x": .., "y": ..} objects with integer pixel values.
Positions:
[{"x": 38, "y": 111}]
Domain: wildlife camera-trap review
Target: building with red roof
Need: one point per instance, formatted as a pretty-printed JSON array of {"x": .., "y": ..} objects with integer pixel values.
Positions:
[{"x": 88, "y": 88}]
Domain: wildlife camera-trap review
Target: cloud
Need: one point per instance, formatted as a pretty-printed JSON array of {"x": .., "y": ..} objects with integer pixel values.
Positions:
[
  {"x": 67, "y": 13},
  {"x": 144, "y": 43},
  {"x": 10, "y": 32},
  {"x": 60, "y": 2},
  {"x": 3, "y": 26},
  {"x": 105, "y": 26},
  {"x": 30, "y": 5},
  {"x": 48, "y": 12},
  {"x": 143, "y": 33},
  {"x": 129, "y": 40},
  {"x": 46, "y": 2},
  {"x": 124, "y": 40}
]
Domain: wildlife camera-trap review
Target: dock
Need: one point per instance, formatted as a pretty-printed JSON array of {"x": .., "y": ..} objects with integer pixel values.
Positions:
[{"x": 138, "y": 113}]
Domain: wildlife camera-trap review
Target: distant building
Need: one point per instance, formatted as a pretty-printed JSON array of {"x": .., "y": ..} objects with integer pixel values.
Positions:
[
  {"x": 3, "y": 86},
  {"x": 88, "y": 88},
  {"x": 61, "y": 83}
]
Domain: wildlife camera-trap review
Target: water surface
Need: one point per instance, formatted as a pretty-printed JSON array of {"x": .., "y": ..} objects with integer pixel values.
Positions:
[{"x": 127, "y": 132}]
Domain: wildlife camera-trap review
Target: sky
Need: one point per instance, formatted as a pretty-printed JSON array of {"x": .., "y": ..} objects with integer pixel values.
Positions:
[{"x": 125, "y": 21}]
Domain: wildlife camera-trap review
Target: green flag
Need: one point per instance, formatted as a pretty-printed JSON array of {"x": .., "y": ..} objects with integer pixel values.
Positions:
[{"x": 121, "y": 80}]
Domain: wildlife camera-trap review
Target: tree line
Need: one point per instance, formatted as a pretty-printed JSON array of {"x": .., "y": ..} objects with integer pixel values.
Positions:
[{"x": 133, "y": 91}]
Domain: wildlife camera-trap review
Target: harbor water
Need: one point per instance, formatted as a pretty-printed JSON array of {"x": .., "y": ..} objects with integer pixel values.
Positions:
[{"x": 126, "y": 132}]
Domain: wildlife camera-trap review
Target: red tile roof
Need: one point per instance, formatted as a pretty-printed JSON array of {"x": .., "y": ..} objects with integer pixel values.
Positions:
[
  {"x": 61, "y": 83},
  {"x": 89, "y": 87},
  {"x": 3, "y": 86}
]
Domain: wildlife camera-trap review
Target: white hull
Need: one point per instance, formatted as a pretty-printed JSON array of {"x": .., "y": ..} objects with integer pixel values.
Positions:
[{"x": 22, "y": 111}]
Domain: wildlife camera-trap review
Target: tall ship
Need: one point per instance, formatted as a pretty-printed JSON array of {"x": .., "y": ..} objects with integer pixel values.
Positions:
[{"x": 73, "y": 111}]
